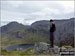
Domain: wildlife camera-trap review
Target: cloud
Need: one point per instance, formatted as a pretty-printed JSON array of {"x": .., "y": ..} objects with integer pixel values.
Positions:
[
  {"x": 15, "y": 3},
  {"x": 33, "y": 6},
  {"x": 27, "y": 12},
  {"x": 67, "y": 4},
  {"x": 12, "y": 16}
]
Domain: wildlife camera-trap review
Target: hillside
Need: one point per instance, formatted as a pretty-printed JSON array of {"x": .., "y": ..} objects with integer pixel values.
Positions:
[
  {"x": 16, "y": 33},
  {"x": 64, "y": 28}
]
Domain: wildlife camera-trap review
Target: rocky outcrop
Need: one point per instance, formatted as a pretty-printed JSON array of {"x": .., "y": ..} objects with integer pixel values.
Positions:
[{"x": 44, "y": 48}]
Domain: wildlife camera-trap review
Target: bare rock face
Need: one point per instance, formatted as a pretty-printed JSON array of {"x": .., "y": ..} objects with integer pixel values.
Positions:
[
  {"x": 44, "y": 48},
  {"x": 41, "y": 47}
]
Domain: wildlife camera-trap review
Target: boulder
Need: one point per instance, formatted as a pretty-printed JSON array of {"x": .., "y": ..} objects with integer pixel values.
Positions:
[
  {"x": 41, "y": 47},
  {"x": 44, "y": 48}
]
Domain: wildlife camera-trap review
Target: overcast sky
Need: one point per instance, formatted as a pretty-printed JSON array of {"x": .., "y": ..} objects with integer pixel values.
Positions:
[{"x": 27, "y": 12}]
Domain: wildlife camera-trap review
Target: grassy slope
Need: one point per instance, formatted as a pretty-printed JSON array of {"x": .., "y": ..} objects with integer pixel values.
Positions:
[
  {"x": 26, "y": 52},
  {"x": 32, "y": 38}
]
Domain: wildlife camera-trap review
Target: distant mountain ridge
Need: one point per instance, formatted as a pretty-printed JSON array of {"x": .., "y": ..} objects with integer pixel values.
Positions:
[
  {"x": 38, "y": 31},
  {"x": 62, "y": 26}
]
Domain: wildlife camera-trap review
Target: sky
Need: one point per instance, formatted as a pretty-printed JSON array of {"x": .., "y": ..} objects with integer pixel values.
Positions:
[{"x": 27, "y": 12}]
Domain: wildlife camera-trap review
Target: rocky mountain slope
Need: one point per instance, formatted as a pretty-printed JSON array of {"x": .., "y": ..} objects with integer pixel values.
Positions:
[{"x": 38, "y": 31}]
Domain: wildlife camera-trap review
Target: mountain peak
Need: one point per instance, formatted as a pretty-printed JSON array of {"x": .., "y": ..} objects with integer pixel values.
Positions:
[{"x": 14, "y": 22}]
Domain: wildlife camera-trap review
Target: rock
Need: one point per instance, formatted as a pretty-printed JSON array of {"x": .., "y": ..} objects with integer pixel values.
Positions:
[
  {"x": 19, "y": 49},
  {"x": 41, "y": 47},
  {"x": 44, "y": 48}
]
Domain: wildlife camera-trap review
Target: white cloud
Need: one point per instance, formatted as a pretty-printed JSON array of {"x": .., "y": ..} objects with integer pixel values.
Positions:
[
  {"x": 51, "y": 11},
  {"x": 12, "y": 16},
  {"x": 27, "y": 12},
  {"x": 67, "y": 4},
  {"x": 15, "y": 3}
]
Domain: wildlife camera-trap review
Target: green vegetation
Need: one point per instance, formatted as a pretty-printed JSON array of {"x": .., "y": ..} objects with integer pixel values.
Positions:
[
  {"x": 15, "y": 52},
  {"x": 30, "y": 39},
  {"x": 66, "y": 46},
  {"x": 20, "y": 53}
]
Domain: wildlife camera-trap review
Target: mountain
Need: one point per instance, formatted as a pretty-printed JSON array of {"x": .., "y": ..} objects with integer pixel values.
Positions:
[
  {"x": 64, "y": 28},
  {"x": 12, "y": 26},
  {"x": 12, "y": 29},
  {"x": 37, "y": 32}
]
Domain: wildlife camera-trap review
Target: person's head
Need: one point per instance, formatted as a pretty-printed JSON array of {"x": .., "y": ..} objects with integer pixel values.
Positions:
[{"x": 52, "y": 21}]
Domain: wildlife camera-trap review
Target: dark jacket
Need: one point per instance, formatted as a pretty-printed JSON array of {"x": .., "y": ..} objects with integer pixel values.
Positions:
[{"x": 52, "y": 27}]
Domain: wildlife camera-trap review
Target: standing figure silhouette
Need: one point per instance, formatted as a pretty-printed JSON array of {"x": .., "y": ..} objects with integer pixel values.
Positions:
[{"x": 52, "y": 30}]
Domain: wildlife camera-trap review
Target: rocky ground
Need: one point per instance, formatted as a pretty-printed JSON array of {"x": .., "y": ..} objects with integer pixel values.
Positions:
[
  {"x": 40, "y": 49},
  {"x": 44, "y": 48}
]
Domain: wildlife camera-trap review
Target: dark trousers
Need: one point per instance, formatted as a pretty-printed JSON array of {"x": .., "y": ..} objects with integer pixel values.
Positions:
[{"x": 51, "y": 39}]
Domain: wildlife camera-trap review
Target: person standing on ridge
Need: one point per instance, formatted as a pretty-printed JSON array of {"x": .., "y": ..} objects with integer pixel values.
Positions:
[{"x": 52, "y": 30}]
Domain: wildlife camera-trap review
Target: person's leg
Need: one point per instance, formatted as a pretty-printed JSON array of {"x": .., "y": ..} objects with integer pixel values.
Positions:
[{"x": 51, "y": 39}]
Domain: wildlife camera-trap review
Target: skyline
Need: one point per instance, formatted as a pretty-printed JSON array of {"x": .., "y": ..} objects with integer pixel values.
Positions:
[{"x": 27, "y": 12}]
